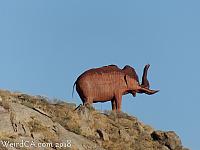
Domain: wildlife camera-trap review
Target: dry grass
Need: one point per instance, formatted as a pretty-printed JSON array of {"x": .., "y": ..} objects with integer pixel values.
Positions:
[{"x": 35, "y": 126}]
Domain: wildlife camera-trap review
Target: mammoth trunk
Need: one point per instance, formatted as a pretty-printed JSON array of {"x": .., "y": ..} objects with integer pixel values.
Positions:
[
  {"x": 145, "y": 82},
  {"x": 144, "y": 87}
]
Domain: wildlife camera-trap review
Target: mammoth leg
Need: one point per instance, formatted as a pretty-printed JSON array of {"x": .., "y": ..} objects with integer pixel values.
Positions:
[
  {"x": 118, "y": 98},
  {"x": 113, "y": 102},
  {"x": 87, "y": 102}
]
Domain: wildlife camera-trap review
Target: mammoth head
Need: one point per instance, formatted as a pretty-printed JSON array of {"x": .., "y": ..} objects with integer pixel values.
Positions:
[
  {"x": 144, "y": 87},
  {"x": 130, "y": 71}
]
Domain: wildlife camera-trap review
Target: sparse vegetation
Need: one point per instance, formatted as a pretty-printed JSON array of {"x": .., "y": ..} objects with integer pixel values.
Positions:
[
  {"x": 35, "y": 126},
  {"x": 54, "y": 121}
]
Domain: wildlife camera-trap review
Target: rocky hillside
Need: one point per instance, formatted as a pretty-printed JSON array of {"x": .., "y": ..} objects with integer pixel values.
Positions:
[{"x": 34, "y": 122}]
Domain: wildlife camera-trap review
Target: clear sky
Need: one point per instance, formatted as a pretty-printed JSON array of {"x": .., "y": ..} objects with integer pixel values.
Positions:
[{"x": 46, "y": 44}]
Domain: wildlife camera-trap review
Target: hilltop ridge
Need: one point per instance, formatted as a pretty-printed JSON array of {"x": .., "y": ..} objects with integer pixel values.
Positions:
[{"x": 35, "y": 122}]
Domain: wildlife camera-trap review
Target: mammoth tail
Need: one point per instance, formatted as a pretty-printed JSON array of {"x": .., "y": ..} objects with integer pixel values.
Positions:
[{"x": 73, "y": 89}]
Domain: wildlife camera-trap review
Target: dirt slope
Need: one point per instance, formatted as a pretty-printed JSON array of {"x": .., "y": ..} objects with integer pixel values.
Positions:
[{"x": 34, "y": 122}]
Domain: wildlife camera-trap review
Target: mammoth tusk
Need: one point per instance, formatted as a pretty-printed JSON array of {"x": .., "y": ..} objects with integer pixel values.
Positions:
[{"x": 148, "y": 91}]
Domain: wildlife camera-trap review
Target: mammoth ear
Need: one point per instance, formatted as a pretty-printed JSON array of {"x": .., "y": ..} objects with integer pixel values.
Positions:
[{"x": 126, "y": 79}]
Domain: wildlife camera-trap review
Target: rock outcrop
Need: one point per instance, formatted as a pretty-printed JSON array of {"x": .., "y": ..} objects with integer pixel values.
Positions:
[{"x": 34, "y": 122}]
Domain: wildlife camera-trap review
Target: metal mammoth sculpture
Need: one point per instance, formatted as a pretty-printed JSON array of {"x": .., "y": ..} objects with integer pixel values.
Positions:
[{"x": 109, "y": 83}]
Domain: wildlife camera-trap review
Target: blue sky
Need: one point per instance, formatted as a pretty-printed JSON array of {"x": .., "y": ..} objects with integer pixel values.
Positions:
[{"x": 45, "y": 45}]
